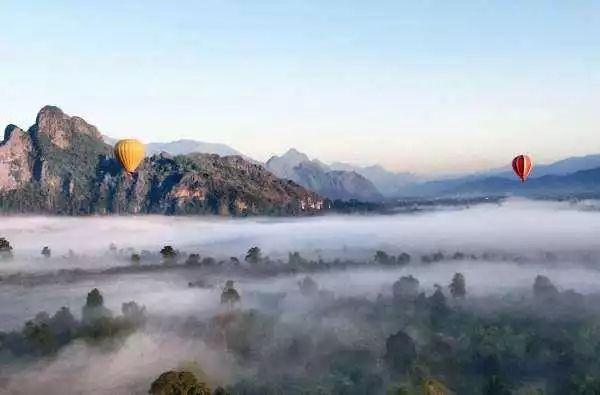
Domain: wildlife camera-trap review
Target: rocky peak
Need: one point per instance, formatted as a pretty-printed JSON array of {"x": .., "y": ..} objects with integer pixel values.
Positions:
[
  {"x": 317, "y": 176},
  {"x": 61, "y": 127},
  {"x": 49, "y": 112},
  {"x": 283, "y": 166},
  {"x": 294, "y": 156},
  {"x": 8, "y": 132}
]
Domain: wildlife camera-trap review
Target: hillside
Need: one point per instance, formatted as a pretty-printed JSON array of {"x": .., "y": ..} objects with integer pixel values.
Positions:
[
  {"x": 317, "y": 176},
  {"x": 61, "y": 165},
  {"x": 578, "y": 183},
  {"x": 544, "y": 177}
]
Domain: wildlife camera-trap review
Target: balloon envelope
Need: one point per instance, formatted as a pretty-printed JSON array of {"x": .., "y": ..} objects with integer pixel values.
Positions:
[
  {"x": 129, "y": 153},
  {"x": 522, "y": 166}
]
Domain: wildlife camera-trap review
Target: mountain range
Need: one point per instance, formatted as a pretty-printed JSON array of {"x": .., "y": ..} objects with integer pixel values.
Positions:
[
  {"x": 387, "y": 182},
  {"x": 312, "y": 174},
  {"x": 317, "y": 176},
  {"x": 375, "y": 183},
  {"x": 579, "y": 183},
  {"x": 185, "y": 147},
  {"x": 392, "y": 185},
  {"x": 62, "y": 165},
  {"x": 570, "y": 176}
]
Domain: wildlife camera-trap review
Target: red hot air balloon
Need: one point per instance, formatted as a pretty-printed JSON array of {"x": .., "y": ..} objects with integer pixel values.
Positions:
[{"x": 522, "y": 166}]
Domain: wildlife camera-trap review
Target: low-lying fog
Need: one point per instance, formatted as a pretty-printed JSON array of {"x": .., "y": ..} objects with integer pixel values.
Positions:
[
  {"x": 559, "y": 240},
  {"x": 519, "y": 226}
]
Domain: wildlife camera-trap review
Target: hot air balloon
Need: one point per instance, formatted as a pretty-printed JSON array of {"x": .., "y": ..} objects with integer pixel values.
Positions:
[
  {"x": 522, "y": 166},
  {"x": 129, "y": 153}
]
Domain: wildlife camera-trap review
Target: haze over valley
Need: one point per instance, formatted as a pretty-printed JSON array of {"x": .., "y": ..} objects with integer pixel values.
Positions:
[{"x": 311, "y": 279}]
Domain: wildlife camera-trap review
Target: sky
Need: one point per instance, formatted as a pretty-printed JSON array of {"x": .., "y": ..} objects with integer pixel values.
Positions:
[{"x": 421, "y": 86}]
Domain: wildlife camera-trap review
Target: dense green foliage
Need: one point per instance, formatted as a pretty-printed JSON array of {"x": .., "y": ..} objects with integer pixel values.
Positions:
[
  {"x": 45, "y": 335},
  {"x": 410, "y": 339},
  {"x": 178, "y": 383},
  {"x": 5, "y": 249},
  {"x": 531, "y": 346}
]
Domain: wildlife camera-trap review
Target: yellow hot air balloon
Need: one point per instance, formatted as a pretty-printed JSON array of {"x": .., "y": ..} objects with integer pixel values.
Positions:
[{"x": 129, "y": 153}]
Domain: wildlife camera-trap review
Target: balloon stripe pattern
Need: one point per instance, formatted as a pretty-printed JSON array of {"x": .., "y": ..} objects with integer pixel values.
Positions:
[
  {"x": 522, "y": 166},
  {"x": 129, "y": 153}
]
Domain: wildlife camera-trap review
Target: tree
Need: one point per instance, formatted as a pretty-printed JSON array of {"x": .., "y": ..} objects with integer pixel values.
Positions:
[
  {"x": 46, "y": 253},
  {"x": 94, "y": 307},
  {"x": 169, "y": 254},
  {"x": 295, "y": 259},
  {"x": 403, "y": 258},
  {"x": 495, "y": 385},
  {"x": 254, "y": 255},
  {"x": 5, "y": 249},
  {"x": 308, "y": 286},
  {"x": 193, "y": 259},
  {"x": 383, "y": 258},
  {"x": 432, "y": 258},
  {"x": 178, "y": 383},
  {"x": 438, "y": 307},
  {"x": 400, "y": 352},
  {"x": 63, "y": 324},
  {"x": 136, "y": 259},
  {"x": 39, "y": 338},
  {"x": 208, "y": 261},
  {"x": 434, "y": 387},
  {"x": 229, "y": 295},
  {"x": 543, "y": 288},
  {"x": 94, "y": 298},
  {"x": 457, "y": 286},
  {"x": 584, "y": 385},
  {"x": 406, "y": 288},
  {"x": 133, "y": 312}
]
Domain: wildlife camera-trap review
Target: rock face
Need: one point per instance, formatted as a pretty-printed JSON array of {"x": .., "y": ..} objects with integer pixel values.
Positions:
[
  {"x": 15, "y": 159},
  {"x": 61, "y": 165},
  {"x": 60, "y": 128},
  {"x": 317, "y": 176}
]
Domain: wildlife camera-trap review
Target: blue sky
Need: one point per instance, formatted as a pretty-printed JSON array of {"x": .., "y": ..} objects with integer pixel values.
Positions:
[{"x": 426, "y": 86}]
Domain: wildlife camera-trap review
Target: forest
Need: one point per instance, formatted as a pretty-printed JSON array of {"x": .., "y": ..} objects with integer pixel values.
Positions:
[{"x": 409, "y": 339}]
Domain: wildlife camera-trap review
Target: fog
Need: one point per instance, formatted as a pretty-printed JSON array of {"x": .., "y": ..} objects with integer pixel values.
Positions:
[
  {"x": 519, "y": 226},
  {"x": 522, "y": 234}
]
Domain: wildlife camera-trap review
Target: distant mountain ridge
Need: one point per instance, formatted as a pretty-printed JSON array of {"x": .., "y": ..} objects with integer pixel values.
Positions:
[
  {"x": 389, "y": 183},
  {"x": 317, "y": 176},
  {"x": 62, "y": 165},
  {"x": 579, "y": 182},
  {"x": 185, "y": 147},
  {"x": 560, "y": 168},
  {"x": 558, "y": 178}
]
